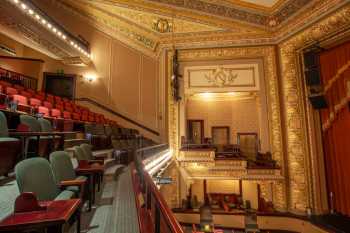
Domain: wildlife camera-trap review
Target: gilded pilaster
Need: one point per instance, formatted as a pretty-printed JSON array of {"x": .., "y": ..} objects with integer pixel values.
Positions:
[{"x": 300, "y": 193}]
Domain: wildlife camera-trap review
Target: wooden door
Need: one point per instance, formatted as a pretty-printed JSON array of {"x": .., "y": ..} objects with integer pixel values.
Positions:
[{"x": 195, "y": 131}]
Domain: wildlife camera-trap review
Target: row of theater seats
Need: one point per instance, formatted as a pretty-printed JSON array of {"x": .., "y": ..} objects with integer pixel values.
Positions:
[
  {"x": 108, "y": 136},
  {"x": 56, "y": 178},
  {"x": 49, "y": 105}
]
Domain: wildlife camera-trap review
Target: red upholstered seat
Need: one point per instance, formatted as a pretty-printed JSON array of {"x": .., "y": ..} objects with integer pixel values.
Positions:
[
  {"x": 76, "y": 116},
  {"x": 52, "y": 101},
  {"x": 47, "y": 104},
  {"x": 43, "y": 110},
  {"x": 26, "y": 94},
  {"x": 68, "y": 104},
  {"x": 55, "y": 113},
  {"x": 19, "y": 87},
  {"x": 67, "y": 115},
  {"x": 11, "y": 91},
  {"x": 91, "y": 118},
  {"x": 85, "y": 117},
  {"x": 34, "y": 102},
  {"x": 5, "y": 84},
  {"x": 31, "y": 91},
  {"x": 39, "y": 97},
  {"x": 58, "y": 99},
  {"x": 21, "y": 99},
  {"x": 69, "y": 109}
]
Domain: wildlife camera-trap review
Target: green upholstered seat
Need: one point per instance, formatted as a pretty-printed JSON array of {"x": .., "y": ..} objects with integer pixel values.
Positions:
[
  {"x": 36, "y": 175},
  {"x": 87, "y": 150},
  {"x": 79, "y": 153},
  {"x": 62, "y": 166},
  {"x": 63, "y": 169},
  {"x": 45, "y": 125},
  {"x": 3, "y": 125},
  {"x": 10, "y": 148},
  {"x": 34, "y": 125},
  {"x": 31, "y": 122}
]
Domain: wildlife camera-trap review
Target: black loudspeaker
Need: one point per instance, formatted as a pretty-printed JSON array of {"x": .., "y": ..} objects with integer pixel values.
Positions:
[
  {"x": 313, "y": 77},
  {"x": 312, "y": 67},
  {"x": 318, "y": 101}
]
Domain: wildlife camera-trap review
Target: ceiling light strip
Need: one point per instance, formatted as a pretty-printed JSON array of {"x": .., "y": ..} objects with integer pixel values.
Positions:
[{"x": 46, "y": 22}]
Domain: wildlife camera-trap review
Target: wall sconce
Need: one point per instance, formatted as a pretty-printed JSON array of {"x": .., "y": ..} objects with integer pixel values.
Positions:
[{"x": 89, "y": 78}]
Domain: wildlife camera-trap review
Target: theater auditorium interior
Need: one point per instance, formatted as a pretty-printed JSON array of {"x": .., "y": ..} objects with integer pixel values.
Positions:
[{"x": 174, "y": 116}]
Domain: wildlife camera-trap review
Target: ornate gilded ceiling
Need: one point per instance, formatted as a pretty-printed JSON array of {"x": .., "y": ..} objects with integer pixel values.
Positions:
[{"x": 150, "y": 25}]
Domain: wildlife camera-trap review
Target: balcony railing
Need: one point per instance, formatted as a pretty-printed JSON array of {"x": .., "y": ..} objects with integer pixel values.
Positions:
[{"x": 154, "y": 214}]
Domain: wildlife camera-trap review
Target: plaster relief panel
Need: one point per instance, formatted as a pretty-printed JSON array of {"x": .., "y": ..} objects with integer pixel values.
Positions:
[{"x": 222, "y": 78}]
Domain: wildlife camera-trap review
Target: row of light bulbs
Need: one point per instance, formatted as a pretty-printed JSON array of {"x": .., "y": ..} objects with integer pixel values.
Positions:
[{"x": 49, "y": 26}]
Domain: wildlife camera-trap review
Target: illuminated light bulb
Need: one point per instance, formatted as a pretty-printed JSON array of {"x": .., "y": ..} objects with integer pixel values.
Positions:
[
  {"x": 31, "y": 11},
  {"x": 54, "y": 29},
  {"x": 59, "y": 33},
  {"x": 37, "y": 17},
  {"x": 43, "y": 21},
  {"x": 64, "y": 37},
  {"x": 75, "y": 46},
  {"x": 15, "y": 1},
  {"x": 72, "y": 43},
  {"x": 49, "y": 25},
  {"x": 24, "y": 6}
]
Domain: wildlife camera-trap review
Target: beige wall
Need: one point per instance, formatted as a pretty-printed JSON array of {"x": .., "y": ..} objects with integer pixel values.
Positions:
[{"x": 239, "y": 115}]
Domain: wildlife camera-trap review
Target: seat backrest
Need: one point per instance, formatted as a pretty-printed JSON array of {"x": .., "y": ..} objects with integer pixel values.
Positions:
[
  {"x": 34, "y": 102},
  {"x": 4, "y": 132},
  {"x": 31, "y": 122},
  {"x": 62, "y": 166},
  {"x": 44, "y": 110},
  {"x": 87, "y": 150},
  {"x": 26, "y": 94},
  {"x": 35, "y": 175},
  {"x": 67, "y": 115},
  {"x": 47, "y": 104},
  {"x": 21, "y": 99},
  {"x": 55, "y": 113},
  {"x": 79, "y": 153},
  {"x": 45, "y": 125},
  {"x": 11, "y": 91},
  {"x": 19, "y": 87}
]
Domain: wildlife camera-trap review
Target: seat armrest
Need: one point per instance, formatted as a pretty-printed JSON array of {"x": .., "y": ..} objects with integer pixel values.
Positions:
[
  {"x": 72, "y": 183},
  {"x": 76, "y": 182},
  {"x": 100, "y": 157},
  {"x": 101, "y": 162}
]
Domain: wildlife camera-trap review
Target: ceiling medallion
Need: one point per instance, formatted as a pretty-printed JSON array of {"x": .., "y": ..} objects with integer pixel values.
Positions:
[
  {"x": 272, "y": 21},
  {"x": 162, "y": 25},
  {"x": 221, "y": 77}
]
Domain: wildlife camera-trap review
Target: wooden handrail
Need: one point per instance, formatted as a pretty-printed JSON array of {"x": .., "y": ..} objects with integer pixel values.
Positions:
[
  {"x": 146, "y": 187},
  {"x": 91, "y": 101},
  {"x": 167, "y": 213}
]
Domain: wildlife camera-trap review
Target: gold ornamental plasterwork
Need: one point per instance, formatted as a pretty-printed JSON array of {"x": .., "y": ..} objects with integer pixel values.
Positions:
[
  {"x": 267, "y": 54},
  {"x": 300, "y": 194},
  {"x": 146, "y": 20}
]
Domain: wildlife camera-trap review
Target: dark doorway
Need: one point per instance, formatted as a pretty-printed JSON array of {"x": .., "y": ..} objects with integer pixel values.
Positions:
[
  {"x": 195, "y": 131},
  {"x": 60, "y": 84}
]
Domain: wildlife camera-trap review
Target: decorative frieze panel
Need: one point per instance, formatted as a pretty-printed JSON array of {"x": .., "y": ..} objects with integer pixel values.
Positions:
[
  {"x": 197, "y": 156},
  {"x": 202, "y": 172},
  {"x": 222, "y": 78}
]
